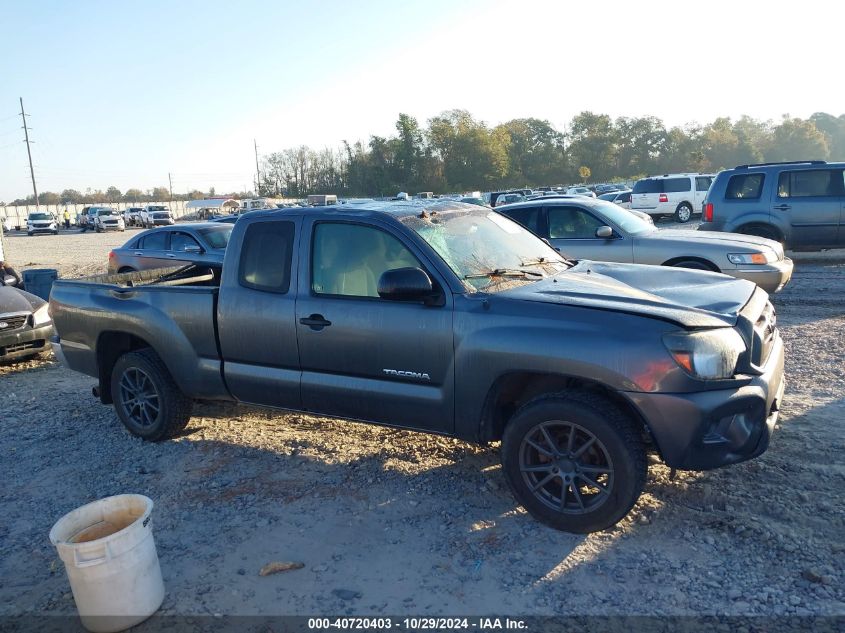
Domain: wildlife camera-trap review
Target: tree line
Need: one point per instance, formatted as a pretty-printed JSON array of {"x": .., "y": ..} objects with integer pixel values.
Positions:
[{"x": 456, "y": 152}]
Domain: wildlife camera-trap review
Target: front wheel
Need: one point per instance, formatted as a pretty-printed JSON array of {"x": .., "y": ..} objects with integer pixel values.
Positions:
[
  {"x": 574, "y": 461},
  {"x": 683, "y": 213},
  {"x": 146, "y": 398}
]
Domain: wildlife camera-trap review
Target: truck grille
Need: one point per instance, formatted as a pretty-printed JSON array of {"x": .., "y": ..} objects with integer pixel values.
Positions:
[
  {"x": 764, "y": 335},
  {"x": 12, "y": 322}
]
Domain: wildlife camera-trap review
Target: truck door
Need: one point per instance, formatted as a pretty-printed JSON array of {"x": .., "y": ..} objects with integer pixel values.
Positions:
[
  {"x": 255, "y": 316},
  {"x": 362, "y": 356}
]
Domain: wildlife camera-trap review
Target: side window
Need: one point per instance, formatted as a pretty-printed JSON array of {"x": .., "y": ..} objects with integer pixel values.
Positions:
[
  {"x": 266, "y": 256},
  {"x": 572, "y": 223},
  {"x": 529, "y": 218},
  {"x": 677, "y": 185},
  {"x": 179, "y": 241},
  {"x": 156, "y": 241},
  {"x": 810, "y": 183},
  {"x": 348, "y": 259},
  {"x": 702, "y": 183},
  {"x": 745, "y": 187}
]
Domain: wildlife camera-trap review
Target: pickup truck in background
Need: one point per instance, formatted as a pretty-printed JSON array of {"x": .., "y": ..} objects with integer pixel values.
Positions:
[{"x": 446, "y": 318}]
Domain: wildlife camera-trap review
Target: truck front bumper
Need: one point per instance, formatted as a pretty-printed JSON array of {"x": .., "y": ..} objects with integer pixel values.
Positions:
[
  {"x": 771, "y": 277},
  {"x": 709, "y": 429},
  {"x": 25, "y": 341}
]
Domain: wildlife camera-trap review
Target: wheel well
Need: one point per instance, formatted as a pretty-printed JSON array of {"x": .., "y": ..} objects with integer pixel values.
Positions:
[
  {"x": 512, "y": 391},
  {"x": 700, "y": 260},
  {"x": 747, "y": 228},
  {"x": 126, "y": 269},
  {"x": 110, "y": 347},
  {"x": 684, "y": 203}
]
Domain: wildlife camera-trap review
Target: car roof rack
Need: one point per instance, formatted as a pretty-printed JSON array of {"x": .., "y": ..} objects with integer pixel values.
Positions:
[{"x": 786, "y": 162}]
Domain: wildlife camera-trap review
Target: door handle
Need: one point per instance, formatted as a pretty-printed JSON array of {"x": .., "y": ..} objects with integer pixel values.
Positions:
[
  {"x": 783, "y": 207},
  {"x": 139, "y": 253},
  {"x": 171, "y": 255},
  {"x": 315, "y": 322}
]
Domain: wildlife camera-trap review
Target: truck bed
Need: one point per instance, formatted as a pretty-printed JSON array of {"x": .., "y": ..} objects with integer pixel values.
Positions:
[{"x": 171, "y": 310}]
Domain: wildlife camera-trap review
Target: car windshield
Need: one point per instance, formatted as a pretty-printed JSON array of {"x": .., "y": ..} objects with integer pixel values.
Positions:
[
  {"x": 39, "y": 216},
  {"x": 106, "y": 212},
  {"x": 158, "y": 208},
  {"x": 623, "y": 218},
  {"x": 485, "y": 249},
  {"x": 217, "y": 236}
]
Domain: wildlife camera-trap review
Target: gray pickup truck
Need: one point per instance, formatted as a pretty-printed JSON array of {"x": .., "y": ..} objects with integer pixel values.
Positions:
[{"x": 446, "y": 318}]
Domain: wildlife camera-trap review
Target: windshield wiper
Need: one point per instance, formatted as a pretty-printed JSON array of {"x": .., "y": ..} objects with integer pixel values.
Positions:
[{"x": 504, "y": 272}]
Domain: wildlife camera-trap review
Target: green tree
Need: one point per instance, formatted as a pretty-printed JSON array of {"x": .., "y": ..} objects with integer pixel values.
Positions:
[
  {"x": 536, "y": 152},
  {"x": 593, "y": 143},
  {"x": 71, "y": 196},
  {"x": 160, "y": 193},
  {"x": 113, "y": 194},
  {"x": 133, "y": 195},
  {"x": 796, "y": 139}
]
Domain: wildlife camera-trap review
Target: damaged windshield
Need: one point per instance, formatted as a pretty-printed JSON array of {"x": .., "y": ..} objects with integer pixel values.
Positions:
[{"x": 485, "y": 249}]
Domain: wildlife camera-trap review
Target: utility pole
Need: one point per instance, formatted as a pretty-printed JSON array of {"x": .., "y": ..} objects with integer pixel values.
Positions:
[
  {"x": 170, "y": 180},
  {"x": 29, "y": 153},
  {"x": 257, "y": 173}
]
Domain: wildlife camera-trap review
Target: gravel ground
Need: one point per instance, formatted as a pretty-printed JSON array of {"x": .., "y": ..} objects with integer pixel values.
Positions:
[{"x": 395, "y": 522}]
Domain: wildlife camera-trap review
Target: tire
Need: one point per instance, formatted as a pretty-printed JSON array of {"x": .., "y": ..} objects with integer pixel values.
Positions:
[
  {"x": 694, "y": 264},
  {"x": 761, "y": 230},
  {"x": 164, "y": 411},
  {"x": 30, "y": 234},
  {"x": 126, "y": 269},
  {"x": 683, "y": 213},
  {"x": 614, "y": 451}
]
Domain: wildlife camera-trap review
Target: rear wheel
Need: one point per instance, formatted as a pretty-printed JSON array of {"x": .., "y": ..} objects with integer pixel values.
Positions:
[
  {"x": 126, "y": 269},
  {"x": 761, "y": 230},
  {"x": 683, "y": 213},
  {"x": 146, "y": 398},
  {"x": 574, "y": 461}
]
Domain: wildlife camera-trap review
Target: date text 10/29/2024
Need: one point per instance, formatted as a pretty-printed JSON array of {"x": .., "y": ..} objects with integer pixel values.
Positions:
[{"x": 416, "y": 624}]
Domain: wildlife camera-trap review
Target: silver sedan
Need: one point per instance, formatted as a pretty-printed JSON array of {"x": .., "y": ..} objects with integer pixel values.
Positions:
[{"x": 581, "y": 228}]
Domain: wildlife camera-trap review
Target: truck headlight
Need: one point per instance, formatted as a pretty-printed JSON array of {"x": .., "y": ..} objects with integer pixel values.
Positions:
[
  {"x": 41, "y": 316},
  {"x": 752, "y": 258},
  {"x": 706, "y": 354}
]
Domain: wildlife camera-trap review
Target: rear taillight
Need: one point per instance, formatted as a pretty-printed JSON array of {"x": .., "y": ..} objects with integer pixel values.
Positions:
[
  {"x": 664, "y": 197},
  {"x": 111, "y": 254},
  {"x": 707, "y": 215}
]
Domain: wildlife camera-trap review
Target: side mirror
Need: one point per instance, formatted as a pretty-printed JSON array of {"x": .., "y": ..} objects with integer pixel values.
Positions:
[
  {"x": 193, "y": 248},
  {"x": 604, "y": 231},
  {"x": 405, "y": 284}
]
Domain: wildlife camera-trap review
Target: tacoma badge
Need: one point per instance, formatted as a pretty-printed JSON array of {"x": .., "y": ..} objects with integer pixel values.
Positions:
[{"x": 406, "y": 374}]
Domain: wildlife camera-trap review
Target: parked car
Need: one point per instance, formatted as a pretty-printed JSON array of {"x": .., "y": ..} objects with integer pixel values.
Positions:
[
  {"x": 501, "y": 198},
  {"x": 25, "y": 325},
  {"x": 599, "y": 230},
  {"x": 452, "y": 319},
  {"x": 801, "y": 205},
  {"x": 41, "y": 223},
  {"x": 132, "y": 216},
  {"x": 622, "y": 198},
  {"x": 678, "y": 195},
  {"x": 580, "y": 191},
  {"x": 108, "y": 219},
  {"x": 195, "y": 243},
  {"x": 156, "y": 215},
  {"x": 87, "y": 219}
]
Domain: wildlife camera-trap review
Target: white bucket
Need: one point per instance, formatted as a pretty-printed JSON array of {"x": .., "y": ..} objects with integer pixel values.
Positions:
[{"x": 110, "y": 556}]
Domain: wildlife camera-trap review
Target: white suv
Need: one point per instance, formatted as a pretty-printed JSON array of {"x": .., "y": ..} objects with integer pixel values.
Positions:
[
  {"x": 679, "y": 195},
  {"x": 155, "y": 215}
]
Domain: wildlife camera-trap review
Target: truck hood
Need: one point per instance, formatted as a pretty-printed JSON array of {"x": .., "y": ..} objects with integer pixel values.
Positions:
[
  {"x": 742, "y": 243},
  {"x": 690, "y": 298}
]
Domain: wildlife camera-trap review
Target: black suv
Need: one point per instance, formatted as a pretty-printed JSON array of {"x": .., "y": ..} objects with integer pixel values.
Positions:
[{"x": 800, "y": 204}]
